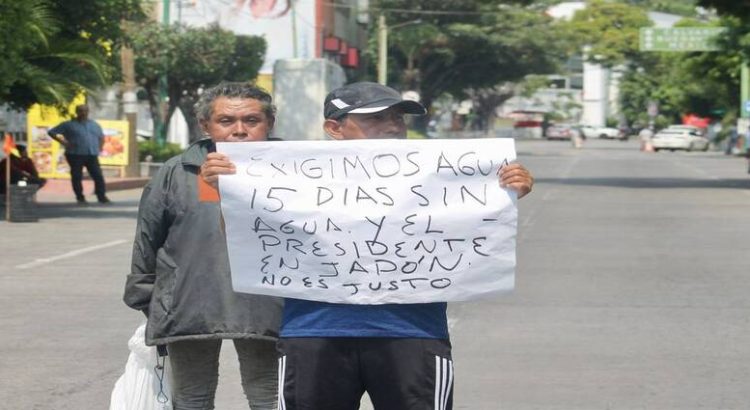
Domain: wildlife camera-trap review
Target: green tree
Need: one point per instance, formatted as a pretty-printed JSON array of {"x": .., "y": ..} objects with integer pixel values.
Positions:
[
  {"x": 685, "y": 8},
  {"x": 695, "y": 82},
  {"x": 414, "y": 43},
  {"x": 518, "y": 42},
  {"x": 703, "y": 83},
  {"x": 657, "y": 78},
  {"x": 193, "y": 59},
  {"x": 609, "y": 31},
  {"x": 713, "y": 78},
  {"x": 100, "y": 21},
  {"x": 50, "y": 55},
  {"x": 736, "y": 8},
  {"x": 486, "y": 100},
  {"x": 468, "y": 46}
]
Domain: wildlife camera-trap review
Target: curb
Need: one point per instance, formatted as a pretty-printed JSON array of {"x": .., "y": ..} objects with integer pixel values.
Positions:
[{"x": 57, "y": 190}]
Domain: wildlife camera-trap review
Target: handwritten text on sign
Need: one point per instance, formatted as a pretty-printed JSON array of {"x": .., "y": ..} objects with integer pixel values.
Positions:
[{"x": 370, "y": 221}]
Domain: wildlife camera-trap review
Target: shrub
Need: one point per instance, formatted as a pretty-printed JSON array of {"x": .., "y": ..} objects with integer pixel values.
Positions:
[
  {"x": 415, "y": 135},
  {"x": 158, "y": 153}
]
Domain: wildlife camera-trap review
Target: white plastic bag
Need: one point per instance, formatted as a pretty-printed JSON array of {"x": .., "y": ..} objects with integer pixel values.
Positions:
[{"x": 144, "y": 385}]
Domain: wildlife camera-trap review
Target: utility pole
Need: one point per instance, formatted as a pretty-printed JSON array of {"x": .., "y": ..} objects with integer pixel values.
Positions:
[
  {"x": 743, "y": 123},
  {"x": 383, "y": 46},
  {"x": 130, "y": 107},
  {"x": 382, "y": 50},
  {"x": 744, "y": 91},
  {"x": 294, "y": 28},
  {"x": 160, "y": 132}
]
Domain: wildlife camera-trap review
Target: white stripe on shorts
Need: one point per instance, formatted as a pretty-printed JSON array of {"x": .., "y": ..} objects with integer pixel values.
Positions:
[
  {"x": 443, "y": 382},
  {"x": 282, "y": 374}
]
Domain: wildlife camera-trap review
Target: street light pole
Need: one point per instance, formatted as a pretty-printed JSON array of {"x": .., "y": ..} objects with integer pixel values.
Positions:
[
  {"x": 294, "y": 28},
  {"x": 130, "y": 107},
  {"x": 382, "y": 50},
  {"x": 383, "y": 46},
  {"x": 744, "y": 91},
  {"x": 160, "y": 134}
]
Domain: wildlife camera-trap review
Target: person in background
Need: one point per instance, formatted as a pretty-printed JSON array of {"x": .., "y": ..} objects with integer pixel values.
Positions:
[
  {"x": 732, "y": 139},
  {"x": 400, "y": 354},
  {"x": 21, "y": 169},
  {"x": 645, "y": 135},
  {"x": 577, "y": 137},
  {"x": 180, "y": 276},
  {"x": 82, "y": 139}
]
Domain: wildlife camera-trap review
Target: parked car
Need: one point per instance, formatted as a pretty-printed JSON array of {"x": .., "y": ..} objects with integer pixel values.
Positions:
[
  {"x": 697, "y": 130},
  {"x": 591, "y": 131},
  {"x": 679, "y": 138},
  {"x": 561, "y": 131}
]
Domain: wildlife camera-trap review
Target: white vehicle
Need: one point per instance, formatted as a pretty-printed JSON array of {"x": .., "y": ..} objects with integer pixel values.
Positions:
[
  {"x": 591, "y": 131},
  {"x": 679, "y": 138},
  {"x": 697, "y": 130}
]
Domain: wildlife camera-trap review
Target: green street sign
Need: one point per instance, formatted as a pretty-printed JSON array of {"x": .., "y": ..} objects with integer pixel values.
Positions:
[{"x": 679, "y": 38}]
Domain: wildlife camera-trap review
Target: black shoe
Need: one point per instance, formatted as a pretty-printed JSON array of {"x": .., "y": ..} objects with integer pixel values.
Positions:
[
  {"x": 81, "y": 201},
  {"x": 104, "y": 200}
]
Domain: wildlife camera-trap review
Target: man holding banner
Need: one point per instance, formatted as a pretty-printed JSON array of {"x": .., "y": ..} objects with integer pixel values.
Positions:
[
  {"x": 331, "y": 353},
  {"x": 179, "y": 275}
]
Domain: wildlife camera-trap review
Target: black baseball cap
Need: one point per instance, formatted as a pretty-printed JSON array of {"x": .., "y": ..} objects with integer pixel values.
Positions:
[{"x": 366, "y": 98}]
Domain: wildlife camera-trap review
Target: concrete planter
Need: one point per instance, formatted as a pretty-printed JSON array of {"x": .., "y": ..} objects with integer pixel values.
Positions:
[{"x": 149, "y": 169}]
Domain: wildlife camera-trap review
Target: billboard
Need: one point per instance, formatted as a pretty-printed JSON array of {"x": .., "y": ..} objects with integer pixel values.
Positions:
[
  {"x": 289, "y": 26},
  {"x": 49, "y": 156}
]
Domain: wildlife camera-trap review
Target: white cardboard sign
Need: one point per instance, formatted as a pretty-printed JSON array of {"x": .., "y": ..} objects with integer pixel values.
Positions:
[{"x": 370, "y": 221}]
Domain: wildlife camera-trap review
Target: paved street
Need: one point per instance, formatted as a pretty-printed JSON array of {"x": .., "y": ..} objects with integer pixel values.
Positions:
[{"x": 632, "y": 292}]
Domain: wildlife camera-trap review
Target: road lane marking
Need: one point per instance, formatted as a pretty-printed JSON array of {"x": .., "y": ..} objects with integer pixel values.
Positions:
[
  {"x": 44, "y": 261},
  {"x": 530, "y": 217},
  {"x": 528, "y": 220},
  {"x": 565, "y": 174}
]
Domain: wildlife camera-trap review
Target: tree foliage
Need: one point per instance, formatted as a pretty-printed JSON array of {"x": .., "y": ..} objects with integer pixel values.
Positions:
[
  {"x": 100, "y": 21},
  {"x": 609, "y": 31},
  {"x": 54, "y": 50},
  {"x": 193, "y": 59},
  {"x": 713, "y": 86},
  {"x": 737, "y": 8},
  {"x": 468, "y": 47},
  {"x": 685, "y": 8},
  {"x": 703, "y": 83}
]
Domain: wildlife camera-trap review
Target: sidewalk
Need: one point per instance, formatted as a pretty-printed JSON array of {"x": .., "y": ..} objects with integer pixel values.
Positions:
[
  {"x": 56, "y": 200},
  {"x": 59, "y": 190}
]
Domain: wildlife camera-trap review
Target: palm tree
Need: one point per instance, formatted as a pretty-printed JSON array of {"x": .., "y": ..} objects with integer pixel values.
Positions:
[{"x": 39, "y": 66}]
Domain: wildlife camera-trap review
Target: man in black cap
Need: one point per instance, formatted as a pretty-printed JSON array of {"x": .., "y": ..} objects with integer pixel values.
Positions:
[
  {"x": 367, "y": 110},
  {"x": 400, "y": 354}
]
